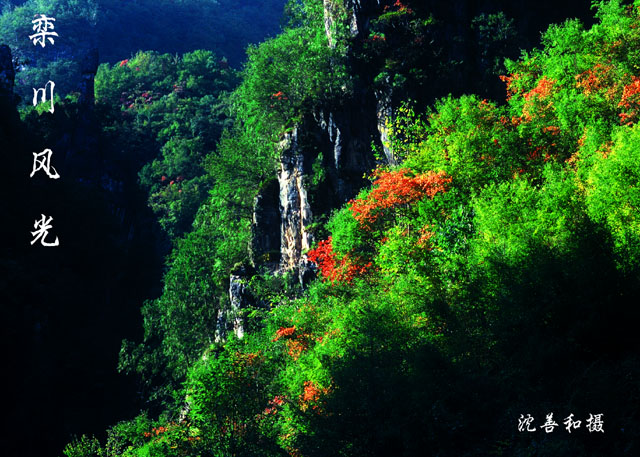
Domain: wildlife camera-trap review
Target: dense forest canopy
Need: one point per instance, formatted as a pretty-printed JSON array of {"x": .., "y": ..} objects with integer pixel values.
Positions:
[
  {"x": 118, "y": 29},
  {"x": 64, "y": 315},
  {"x": 483, "y": 259},
  {"x": 484, "y": 268}
]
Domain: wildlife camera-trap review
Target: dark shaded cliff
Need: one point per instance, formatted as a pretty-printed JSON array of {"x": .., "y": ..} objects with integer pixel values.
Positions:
[{"x": 65, "y": 309}]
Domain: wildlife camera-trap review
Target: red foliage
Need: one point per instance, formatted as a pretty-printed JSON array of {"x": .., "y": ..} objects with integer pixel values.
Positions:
[
  {"x": 124, "y": 62},
  {"x": 508, "y": 80},
  {"x": 324, "y": 257},
  {"x": 484, "y": 104},
  {"x": 157, "y": 431},
  {"x": 296, "y": 341},
  {"x": 270, "y": 410},
  {"x": 538, "y": 151},
  {"x": 425, "y": 236},
  {"x": 390, "y": 190},
  {"x": 393, "y": 189},
  {"x": 284, "y": 332},
  {"x": 552, "y": 129},
  {"x": 630, "y": 101},
  {"x": 279, "y": 96},
  {"x": 333, "y": 269},
  {"x": 278, "y": 400},
  {"x": 541, "y": 92},
  {"x": 251, "y": 358},
  {"x": 542, "y": 89},
  {"x": 295, "y": 347},
  {"x": 513, "y": 122},
  {"x": 311, "y": 396},
  {"x": 595, "y": 79},
  {"x": 310, "y": 393},
  {"x": 244, "y": 360},
  {"x": 401, "y": 7}
]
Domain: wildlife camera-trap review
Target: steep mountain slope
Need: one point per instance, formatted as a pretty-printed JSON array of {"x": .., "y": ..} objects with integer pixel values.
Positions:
[{"x": 467, "y": 281}]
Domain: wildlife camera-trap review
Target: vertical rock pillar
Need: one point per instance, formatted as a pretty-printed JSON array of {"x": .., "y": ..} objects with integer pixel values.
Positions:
[
  {"x": 295, "y": 211},
  {"x": 88, "y": 69}
]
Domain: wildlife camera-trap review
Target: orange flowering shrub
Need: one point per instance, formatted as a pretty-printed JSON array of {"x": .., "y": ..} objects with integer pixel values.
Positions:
[
  {"x": 274, "y": 403},
  {"x": 296, "y": 341},
  {"x": 295, "y": 347},
  {"x": 596, "y": 79},
  {"x": 400, "y": 7},
  {"x": 333, "y": 269},
  {"x": 552, "y": 129},
  {"x": 311, "y": 396},
  {"x": 246, "y": 359},
  {"x": 245, "y": 365},
  {"x": 284, "y": 332},
  {"x": 176, "y": 435},
  {"x": 279, "y": 96},
  {"x": 510, "y": 80},
  {"x": 425, "y": 236},
  {"x": 393, "y": 189},
  {"x": 538, "y": 94},
  {"x": 630, "y": 101},
  {"x": 310, "y": 393},
  {"x": 542, "y": 89}
]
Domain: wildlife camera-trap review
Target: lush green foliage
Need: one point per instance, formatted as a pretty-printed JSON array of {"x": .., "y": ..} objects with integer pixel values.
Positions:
[
  {"x": 611, "y": 190},
  {"x": 222, "y": 26},
  {"x": 290, "y": 74},
  {"x": 169, "y": 111},
  {"x": 459, "y": 292},
  {"x": 494, "y": 271},
  {"x": 196, "y": 283}
]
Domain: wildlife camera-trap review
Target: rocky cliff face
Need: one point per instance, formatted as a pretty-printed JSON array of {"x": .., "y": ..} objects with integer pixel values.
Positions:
[
  {"x": 384, "y": 115},
  {"x": 337, "y": 139},
  {"x": 8, "y": 114},
  {"x": 240, "y": 298},
  {"x": 265, "y": 226},
  {"x": 88, "y": 69},
  {"x": 323, "y": 161},
  {"x": 7, "y": 72},
  {"x": 324, "y": 157},
  {"x": 80, "y": 143},
  {"x": 295, "y": 210},
  {"x": 356, "y": 13}
]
